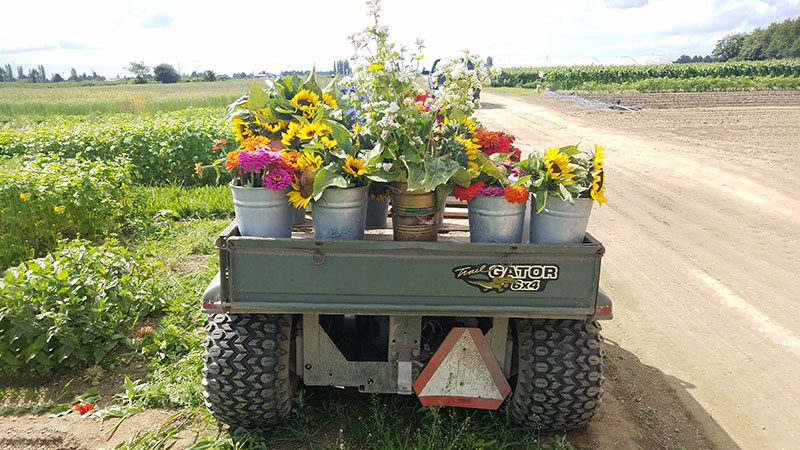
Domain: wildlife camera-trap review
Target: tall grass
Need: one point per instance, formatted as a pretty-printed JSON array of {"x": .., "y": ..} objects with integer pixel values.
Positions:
[{"x": 113, "y": 97}]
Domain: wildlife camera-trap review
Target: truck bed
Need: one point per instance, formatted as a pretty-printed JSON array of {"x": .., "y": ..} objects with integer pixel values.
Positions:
[{"x": 378, "y": 276}]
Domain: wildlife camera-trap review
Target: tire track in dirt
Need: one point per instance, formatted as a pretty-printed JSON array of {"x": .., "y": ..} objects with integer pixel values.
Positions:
[{"x": 702, "y": 261}]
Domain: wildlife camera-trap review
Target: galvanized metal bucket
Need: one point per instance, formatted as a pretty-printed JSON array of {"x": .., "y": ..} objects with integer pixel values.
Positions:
[
  {"x": 414, "y": 214},
  {"x": 299, "y": 216},
  {"x": 377, "y": 210},
  {"x": 262, "y": 212},
  {"x": 340, "y": 213},
  {"x": 561, "y": 222},
  {"x": 495, "y": 220}
]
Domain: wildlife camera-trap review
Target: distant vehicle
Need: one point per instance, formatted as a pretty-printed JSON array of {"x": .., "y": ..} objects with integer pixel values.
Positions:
[{"x": 435, "y": 81}]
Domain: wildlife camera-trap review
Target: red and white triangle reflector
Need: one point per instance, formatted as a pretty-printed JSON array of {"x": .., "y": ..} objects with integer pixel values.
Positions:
[{"x": 463, "y": 372}]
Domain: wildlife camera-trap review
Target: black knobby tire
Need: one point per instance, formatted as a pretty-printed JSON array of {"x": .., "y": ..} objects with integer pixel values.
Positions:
[
  {"x": 559, "y": 380},
  {"x": 246, "y": 374}
]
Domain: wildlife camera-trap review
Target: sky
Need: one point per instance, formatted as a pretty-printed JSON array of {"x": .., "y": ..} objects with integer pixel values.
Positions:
[{"x": 267, "y": 35}]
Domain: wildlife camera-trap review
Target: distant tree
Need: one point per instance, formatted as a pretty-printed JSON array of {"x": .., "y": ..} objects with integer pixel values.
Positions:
[
  {"x": 683, "y": 59},
  {"x": 489, "y": 61},
  {"x": 165, "y": 73},
  {"x": 33, "y": 76},
  {"x": 209, "y": 75},
  {"x": 139, "y": 70},
  {"x": 57, "y": 78},
  {"x": 194, "y": 74},
  {"x": 20, "y": 73},
  {"x": 73, "y": 74},
  {"x": 42, "y": 74},
  {"x": 83, "y": 77},
  {"x": 9, "y": 73},
  {"x": 239, "y": 75},
  {"x": 728, "y": 47}
]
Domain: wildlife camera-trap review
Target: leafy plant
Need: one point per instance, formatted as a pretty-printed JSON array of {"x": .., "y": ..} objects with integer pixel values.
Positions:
[
  {"x": 162, "y": 147},
  {"x": 73, "y": 306},
  {"x": 44, "y": 199}
]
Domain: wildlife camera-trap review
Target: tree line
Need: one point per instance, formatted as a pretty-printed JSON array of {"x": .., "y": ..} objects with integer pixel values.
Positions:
[
  {"x": 779, "y": 40},
  {"x": 39, "y": 75}
]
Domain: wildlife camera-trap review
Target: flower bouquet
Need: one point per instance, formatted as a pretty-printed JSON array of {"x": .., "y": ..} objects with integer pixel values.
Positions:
[
  {"x": 414, "y": 148},
  {"x": 260, "y": 180},
  {"x": 563, "y": 183},
  {"x": 497, "y": 195}
]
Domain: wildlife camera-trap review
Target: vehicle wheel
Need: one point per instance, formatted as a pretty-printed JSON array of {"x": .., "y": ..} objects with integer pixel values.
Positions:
[
  {"x": 560, "y": 378},
  {"x": 246, "y": 375}
]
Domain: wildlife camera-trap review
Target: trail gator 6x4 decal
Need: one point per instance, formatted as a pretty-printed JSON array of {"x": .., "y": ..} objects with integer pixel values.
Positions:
[{"x": 507, "y": 277}]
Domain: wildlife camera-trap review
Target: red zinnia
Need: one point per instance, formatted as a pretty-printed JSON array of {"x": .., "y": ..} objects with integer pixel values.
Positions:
[
  {"x": 421, "y": 97},
  {"x": 516, "y": 194},
  {"x": 83, "y": 408},
  {"x": 468, "y": 193}
]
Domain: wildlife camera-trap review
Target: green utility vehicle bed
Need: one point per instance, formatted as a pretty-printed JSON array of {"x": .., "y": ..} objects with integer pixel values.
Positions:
[{"x": 380, "y": 276}]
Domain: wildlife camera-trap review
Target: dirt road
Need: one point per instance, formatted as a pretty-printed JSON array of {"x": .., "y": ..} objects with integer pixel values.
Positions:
[{"x": 702, "y": 232}]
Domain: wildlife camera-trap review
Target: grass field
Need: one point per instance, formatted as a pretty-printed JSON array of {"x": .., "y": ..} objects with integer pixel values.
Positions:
[{"x": 109, "y": 97}]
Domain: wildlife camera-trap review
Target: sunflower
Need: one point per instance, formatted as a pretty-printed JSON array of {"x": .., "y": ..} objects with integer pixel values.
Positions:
[
  {"x": 241, "y": 128},
  {"x": 309, "y": 130},
  {"x": 275, "y": 127},
  {"x": 598, "y": 159},
  {"x": 329, "y": 100},
  {"x": 309, "y": 161},
  {"x": 329, "y": 143},
  {"x": 470, "y": 146},
  {"x": 296, "y": 198},
  {"x": 354, "y": 167},
  {"x": 306, "y": 102},
  {"x": 557, "y": 165},
  {"x": 290, "y": 134},
  {"x": 254, "y": 142},
  {"x": 598, "y": 189},
  {"x": 302, "y": 189},
  {"x": 471, "y": 125}
]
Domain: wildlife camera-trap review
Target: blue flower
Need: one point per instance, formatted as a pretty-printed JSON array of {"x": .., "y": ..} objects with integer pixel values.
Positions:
[
  {"x": 348, "y": 90},
  {"x": 352, "y": 112}
]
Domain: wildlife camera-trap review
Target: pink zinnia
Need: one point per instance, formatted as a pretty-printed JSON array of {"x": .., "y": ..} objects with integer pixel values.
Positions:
[
  {"x": 491, "y": 191},
  {"x": 253, "y": 160},
  {"x": 277, "y": 179},
  {"x": 259, "y": 160}
]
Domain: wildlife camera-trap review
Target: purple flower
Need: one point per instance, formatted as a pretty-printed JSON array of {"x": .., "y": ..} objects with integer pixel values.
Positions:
[
  {"x": 277, "y": 179},
  {"x": 346, "y": 90},
  {"x": 491, "y": 191},
  {"x": 253, "y": 160}
]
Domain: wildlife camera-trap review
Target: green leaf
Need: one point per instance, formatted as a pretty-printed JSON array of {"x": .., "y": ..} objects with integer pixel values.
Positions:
[
  {"x": 311, "y": 83},
  {"x": 540, "y": 200},
  {"x": 489, "y": 168},
  {"x": 342, "y": 136},
  {"x": 462, "y": 177},
  {"x": 328, "y": 176},
  {"x": 258, "y": 98}
]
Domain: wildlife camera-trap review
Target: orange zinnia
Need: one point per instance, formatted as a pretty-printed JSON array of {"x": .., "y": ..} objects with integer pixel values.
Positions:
[
  {"x": 516, "y": 194},
  {"x": 232, "y": 160}
]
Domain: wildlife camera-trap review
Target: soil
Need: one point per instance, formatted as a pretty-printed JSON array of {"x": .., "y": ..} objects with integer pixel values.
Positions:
[
  {"x": 703, "y": 251},
  {"x": 702, "y": 233}
]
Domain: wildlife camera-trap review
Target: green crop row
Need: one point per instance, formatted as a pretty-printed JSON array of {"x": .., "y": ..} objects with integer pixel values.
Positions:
[
  {"x": 162, "y": 147},
  {"x": 698, "y": 84},
  {"x": 576, "y": 76},
  {"x": 72, "y": 307},
  {"x": 46, "y": 199}
]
